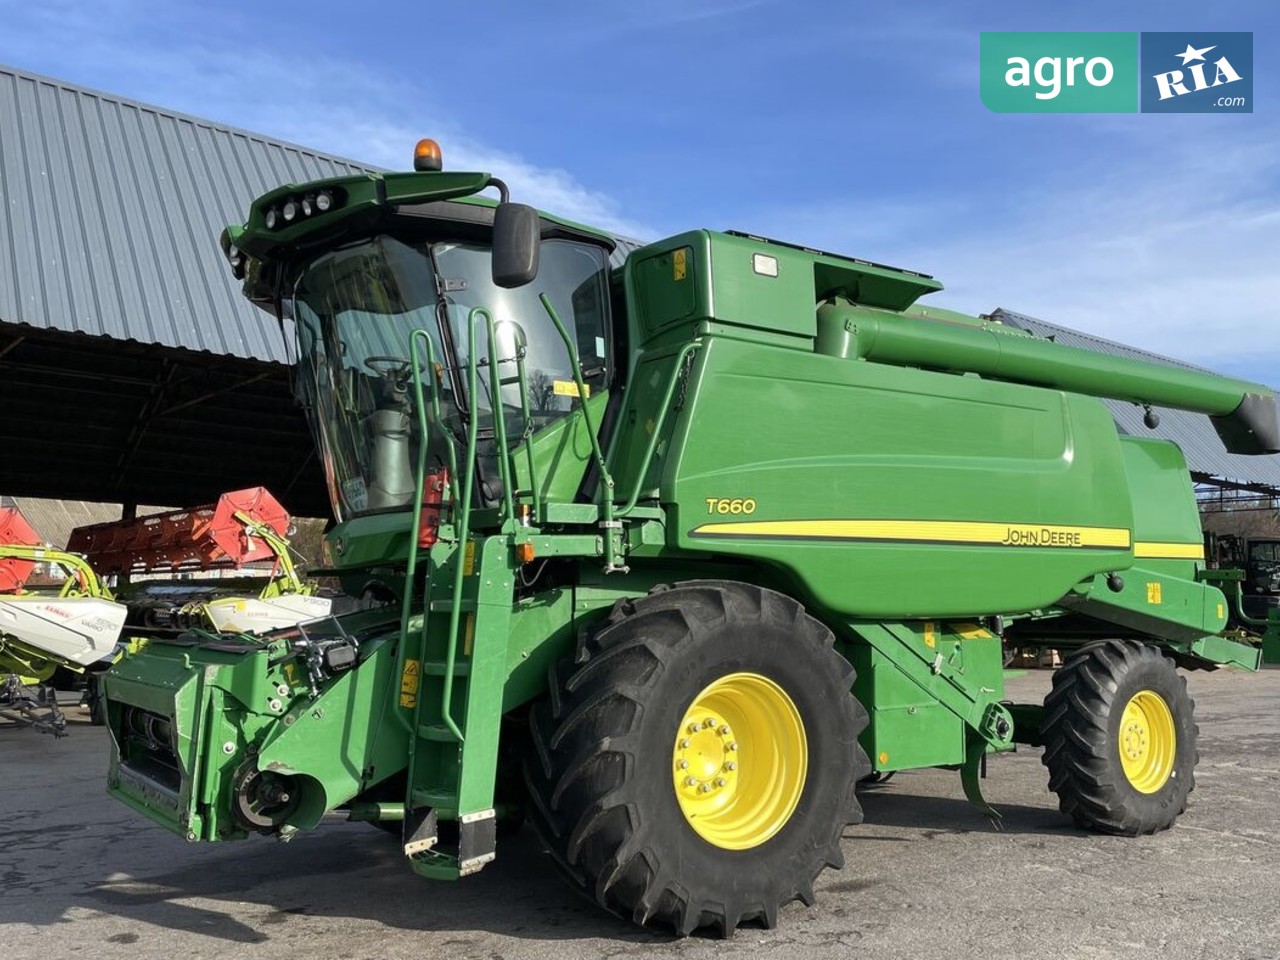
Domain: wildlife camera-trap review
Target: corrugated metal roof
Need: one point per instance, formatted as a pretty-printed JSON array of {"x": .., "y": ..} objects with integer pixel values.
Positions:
[
  {"x": 1192, "y": 432},
  {"x": 111, "y": 211}
]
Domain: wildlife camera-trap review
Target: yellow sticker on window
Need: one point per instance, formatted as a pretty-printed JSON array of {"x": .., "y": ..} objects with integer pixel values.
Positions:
[
  {"x": 567, "y": 388},
  {"x": 679, "y": 264}
]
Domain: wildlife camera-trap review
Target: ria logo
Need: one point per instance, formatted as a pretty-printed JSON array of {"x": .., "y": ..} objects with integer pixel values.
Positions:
[
  {"x": 1172, "y": 84},
  {"x": 1198, "y": 73}
]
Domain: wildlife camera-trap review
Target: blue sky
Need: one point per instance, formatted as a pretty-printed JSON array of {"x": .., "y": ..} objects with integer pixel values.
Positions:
[{"x": 852, "y": 126}]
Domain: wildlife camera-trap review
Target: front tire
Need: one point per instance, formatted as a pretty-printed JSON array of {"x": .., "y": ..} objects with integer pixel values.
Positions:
[
  {"x": 1120, "y": 739},
  {"x": 698, "y": 769}
]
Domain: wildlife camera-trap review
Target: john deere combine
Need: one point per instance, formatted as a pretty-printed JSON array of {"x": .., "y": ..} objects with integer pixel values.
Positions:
[{"x": 704, "y": 539}]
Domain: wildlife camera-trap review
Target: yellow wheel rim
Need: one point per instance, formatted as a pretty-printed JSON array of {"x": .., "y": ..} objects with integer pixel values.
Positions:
[
  {"x": 740, "y": 761},
  {"x": 1148, "y": 741}
]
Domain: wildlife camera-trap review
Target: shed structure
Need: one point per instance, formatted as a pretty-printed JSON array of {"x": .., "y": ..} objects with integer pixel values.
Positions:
[{"x": 131, "y": 369}]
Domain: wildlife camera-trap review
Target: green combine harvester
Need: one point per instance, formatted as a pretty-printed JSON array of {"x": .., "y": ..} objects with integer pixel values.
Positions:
[{"x": 668, "y": 556}]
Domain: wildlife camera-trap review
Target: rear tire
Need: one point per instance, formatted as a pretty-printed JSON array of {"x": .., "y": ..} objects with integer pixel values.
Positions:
[
  {"x": 607, "y": 771},
  {"x": 1120, "y": 739}
]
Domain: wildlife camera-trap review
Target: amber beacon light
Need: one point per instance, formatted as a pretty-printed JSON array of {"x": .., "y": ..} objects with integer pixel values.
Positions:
[{"x": 426, "y": 156}]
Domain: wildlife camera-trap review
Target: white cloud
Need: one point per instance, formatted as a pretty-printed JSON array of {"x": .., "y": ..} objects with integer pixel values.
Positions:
[
  {"x": 1173, "y": 250},
  {"x": 328, "y": 104}
]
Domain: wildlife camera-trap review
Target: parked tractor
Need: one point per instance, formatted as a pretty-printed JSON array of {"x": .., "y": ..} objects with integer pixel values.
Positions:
[
  {"x": 681, "y": 550},
  {"x": 1258, "y": 558}
]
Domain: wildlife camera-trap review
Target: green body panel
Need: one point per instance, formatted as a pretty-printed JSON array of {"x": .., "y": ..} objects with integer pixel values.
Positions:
[
  {"x": 1164, "y": 504},
  {"x": 542, "y": 630},
  {"x": 366, "y": 542},
  {"x": 707, "y": 275},
  {"x": 916, "y": 477},
  {"x": 1271, "y": 639},
  {"x": 343, "y": 742},
  {"x": 1154, "y": 603},
  {"x": 561, "y": 454},
  {"x": 1162, "y": 595},
  {"x": 877, "y": 443},
  {"x": 1226, "y": 651},
  {"x": 926, "y": 685},
  {"x": 651, "y": 370},
  {"x": 228, "y": 706},
  {"x": 958, "y": 666}
]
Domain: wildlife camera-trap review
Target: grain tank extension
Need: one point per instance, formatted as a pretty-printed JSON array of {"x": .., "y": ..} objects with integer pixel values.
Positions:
[{"x": 666, "y": 557}]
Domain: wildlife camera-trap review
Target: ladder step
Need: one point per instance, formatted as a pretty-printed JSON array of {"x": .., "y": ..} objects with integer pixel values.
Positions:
[
  {"x": 437, "y": 732},
  {"x": 437, "y": 668},
  {"x": 435, "y": 866},
  {"x": 444, "y": 606},
  {"x": 435, "y": 799}
]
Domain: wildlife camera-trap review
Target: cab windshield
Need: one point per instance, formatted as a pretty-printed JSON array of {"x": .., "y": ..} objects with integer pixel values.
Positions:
[{"x": 355, "y": 310}]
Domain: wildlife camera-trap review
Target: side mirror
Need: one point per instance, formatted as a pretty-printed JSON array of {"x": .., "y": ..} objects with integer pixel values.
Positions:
[{"x": 517, "y": 237}]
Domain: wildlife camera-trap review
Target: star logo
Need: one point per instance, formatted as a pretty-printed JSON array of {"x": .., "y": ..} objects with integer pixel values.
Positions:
[{"x": 1191, "y": 53}]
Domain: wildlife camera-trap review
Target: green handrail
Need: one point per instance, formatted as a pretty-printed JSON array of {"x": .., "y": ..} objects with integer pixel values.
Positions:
[
  {"x": 411, "y": 565},
  {"x": 505, "y": 471},
  {"x": 608, "y": 521},
  {"x": 464, "y": 520},
  {"x": 527, "y": 414}
]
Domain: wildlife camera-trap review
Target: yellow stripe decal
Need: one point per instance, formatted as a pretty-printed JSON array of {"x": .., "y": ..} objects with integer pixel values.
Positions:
[
  {"x": 926, "y": 531},
  {"x": 1169, "y": 551}
]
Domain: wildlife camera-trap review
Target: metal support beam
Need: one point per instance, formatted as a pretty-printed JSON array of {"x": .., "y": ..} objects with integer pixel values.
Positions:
[
  {"x": 159, "y": 391},
  {"x": 213, "y": 393}
]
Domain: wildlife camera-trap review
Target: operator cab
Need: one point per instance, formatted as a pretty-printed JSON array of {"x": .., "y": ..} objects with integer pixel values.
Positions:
[{"x": 355, "y": 307}]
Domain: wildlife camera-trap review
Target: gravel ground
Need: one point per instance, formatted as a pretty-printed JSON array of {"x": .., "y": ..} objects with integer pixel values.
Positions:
[{"x": 927, "y": 876}]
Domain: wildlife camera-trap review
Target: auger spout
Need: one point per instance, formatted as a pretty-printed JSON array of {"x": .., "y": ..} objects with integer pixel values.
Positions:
[{"x": 1243, "y": 413}]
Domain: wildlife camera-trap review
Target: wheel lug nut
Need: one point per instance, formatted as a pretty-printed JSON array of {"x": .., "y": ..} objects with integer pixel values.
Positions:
[
  {"x": 690, "y": 782},
  {"x": 706, "y": 788},
  {"x": 684, "y": 744},
  {"x": 733, "y": 745},
  {"x": 709, "y": 723},
  {"x": 731, "y": 765},
  {"x": 684, "y": 764},
  {"x": 694, "y": 728},
  {"x": 724, "y": 729},
  {"x": 721, "y": 781}
]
